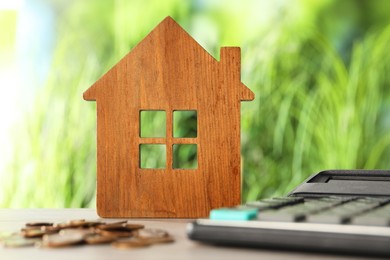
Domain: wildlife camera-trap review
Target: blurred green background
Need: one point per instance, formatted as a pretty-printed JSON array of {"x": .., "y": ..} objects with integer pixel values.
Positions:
[{"x": 319, "y": 69}]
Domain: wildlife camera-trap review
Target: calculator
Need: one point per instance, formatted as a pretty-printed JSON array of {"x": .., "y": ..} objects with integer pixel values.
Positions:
[{"x": 333, "y": 211}]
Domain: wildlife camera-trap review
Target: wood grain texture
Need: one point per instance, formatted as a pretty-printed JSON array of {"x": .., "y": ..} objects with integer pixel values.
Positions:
[{"x": 169, "y": 70}]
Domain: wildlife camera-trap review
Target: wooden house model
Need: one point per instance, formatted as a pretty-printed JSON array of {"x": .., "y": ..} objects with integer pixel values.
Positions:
[{"x": 169, "y": 72}]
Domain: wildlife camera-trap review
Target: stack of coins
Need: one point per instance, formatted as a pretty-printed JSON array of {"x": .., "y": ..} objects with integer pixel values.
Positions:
[{"x": 120, "y": 235}]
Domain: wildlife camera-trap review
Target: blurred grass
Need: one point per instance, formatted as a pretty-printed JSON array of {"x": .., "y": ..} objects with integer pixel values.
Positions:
[
  {"x": 321, "y": 95},
  {"x": 314, "y": 111},
  {"x": 54, "y": 164},
  {"x": 7, "y": 41},
  {"x": 153, "y": 123},
  {"x": 185, "y": 156},
  {"x": 153, "y": 156}
]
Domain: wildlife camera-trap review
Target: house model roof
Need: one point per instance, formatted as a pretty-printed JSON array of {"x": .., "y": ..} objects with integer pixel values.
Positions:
[{"x": 169, "y": 45}]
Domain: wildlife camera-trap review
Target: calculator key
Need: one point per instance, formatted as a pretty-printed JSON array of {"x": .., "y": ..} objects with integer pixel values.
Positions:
[
  {"x": 371, "y": 220},
  {"x": 327, "y": 218},
  {"x": 343, "y": 213},
  {"x": 261, "y": 205},
  {"x": 282, "y": 216},
  {"x": 290, "y": 199},
  {"x": 275, "y": 203},
  {"x": 299, "y": 212},
  {"x": 380, "y": 200},
  {"x": 380, "y": 216},
  {"x": 336, "y": 199}
]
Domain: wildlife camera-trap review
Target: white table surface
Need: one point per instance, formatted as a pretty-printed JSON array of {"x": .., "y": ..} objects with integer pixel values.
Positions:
[{"x": 182, "y": 248}]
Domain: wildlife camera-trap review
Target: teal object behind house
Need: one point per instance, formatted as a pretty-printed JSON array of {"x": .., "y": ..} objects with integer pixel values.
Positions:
[{"x": 233, "y": 214}]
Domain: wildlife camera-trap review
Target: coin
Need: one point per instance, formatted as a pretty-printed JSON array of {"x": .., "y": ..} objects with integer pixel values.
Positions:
[
  {"x": 77, "y": 222},
  {"x": 82, "y": 231},
  {"x": 37, "y": 231},
  {"x": 63, "y": 225},
  {"x": 120, "y": 234},
  {"x": 72, "y": 224},
  {"x": 159, "y": 240},
  {"x": 152, "y": 233},
  {"x": 33, "y": 233},
  {"x": 121, "y": 225},
  {"x": 94, "y": 239},
  {"x": 38, "y": 224},
  {"x": 58, "y": 240},
  {"x": 115, "y": 233},
  {"x": 154, "y": 236},
  {"x": 19, "y": 241},
  {"x": 5, "y": 235},
  {"x": 50, "y": 229},
  {"x": 134, "y": 226},
  {"x": 30, "y": 228},
  {"x": 89, "y": 223},
  {"x": 130, "y": 243}
]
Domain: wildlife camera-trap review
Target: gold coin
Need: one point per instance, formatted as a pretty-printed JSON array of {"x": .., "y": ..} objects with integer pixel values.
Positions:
[{"x": 130, "y": 243}]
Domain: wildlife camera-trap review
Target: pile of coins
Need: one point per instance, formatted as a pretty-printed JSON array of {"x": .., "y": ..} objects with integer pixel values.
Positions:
[{"x": 81, "y": 232}]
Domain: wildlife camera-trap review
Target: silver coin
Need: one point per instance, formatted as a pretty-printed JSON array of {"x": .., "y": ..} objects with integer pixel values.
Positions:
[
  {"x": 19, "y": 241},
  {"x": 58, "y": 240}
]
